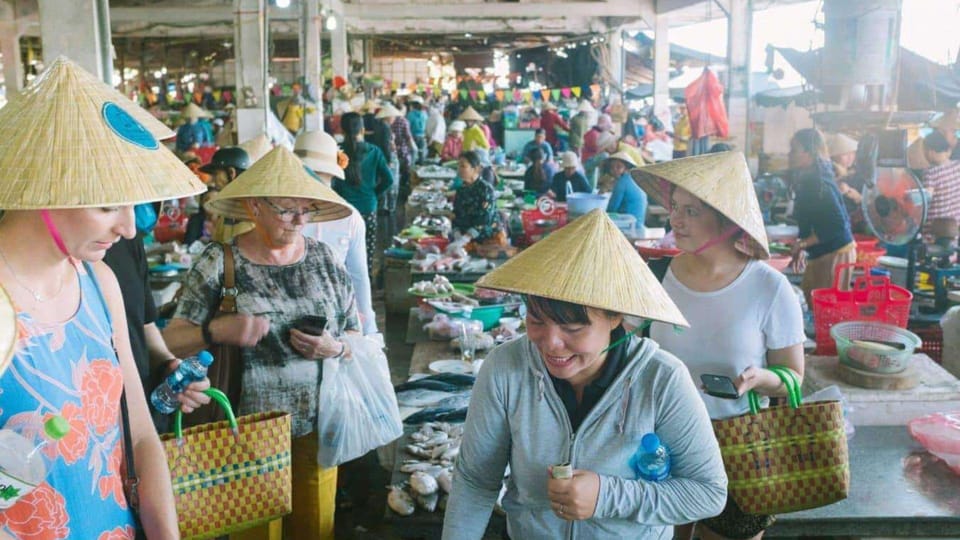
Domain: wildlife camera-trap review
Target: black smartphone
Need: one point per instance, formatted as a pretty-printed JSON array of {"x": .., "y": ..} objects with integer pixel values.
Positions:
[
  {"x": 719, "y": 386},
  {"x": 311, "y": 324}
]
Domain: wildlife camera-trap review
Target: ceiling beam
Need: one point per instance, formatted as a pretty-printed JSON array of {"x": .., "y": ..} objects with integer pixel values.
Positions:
[
  {"x": 520, "y": 10},
  {"x": 375, "y": 10}
]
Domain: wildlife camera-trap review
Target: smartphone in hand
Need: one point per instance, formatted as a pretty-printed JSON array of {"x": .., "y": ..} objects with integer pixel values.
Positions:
[
  {"x": 719, "y": 386},
  {"x": 311, "y": 324}
]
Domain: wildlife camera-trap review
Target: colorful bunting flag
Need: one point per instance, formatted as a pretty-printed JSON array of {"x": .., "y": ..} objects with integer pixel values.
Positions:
[
  {"x": 517, "y": 95},
  {"x": 498, "y": 94},
  {"x": 565, "y": 92},
  {"x": 545, "y": 93},
  {"x": 463, "y": 94},
  {"x": 473, "y": 95},
  {"x": 576, "y": 91},
  {"x": 594, "y": 90},
  {"x": 555, "y": 93}
]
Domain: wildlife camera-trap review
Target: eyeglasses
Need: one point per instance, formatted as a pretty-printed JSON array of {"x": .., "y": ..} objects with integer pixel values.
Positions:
[{"x": 286, "y": 215}]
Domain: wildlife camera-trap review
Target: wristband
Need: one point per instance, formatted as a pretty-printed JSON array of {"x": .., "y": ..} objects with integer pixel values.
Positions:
[
  {"x": 343, "y": 350},
  {"x": 205, "y": 332}
]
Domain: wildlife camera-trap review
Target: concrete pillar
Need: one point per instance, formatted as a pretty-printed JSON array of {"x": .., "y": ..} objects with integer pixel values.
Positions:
[
  {"x": 615, "y": 47},
  {"x": 311, "y": 26},
  {"x": 739, "y": 37},
  {"x": 661, "y": 63},
  {"x": 10, "y": 49},
  {"x": 251, "y": 50},
  {"x": 338, "y": 47},
  {"x": 358, "y": 51},
  {"x": 80, "y": 30}
]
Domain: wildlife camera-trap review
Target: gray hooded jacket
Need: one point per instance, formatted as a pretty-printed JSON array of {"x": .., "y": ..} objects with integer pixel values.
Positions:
[{"x": 517, "y": 418}]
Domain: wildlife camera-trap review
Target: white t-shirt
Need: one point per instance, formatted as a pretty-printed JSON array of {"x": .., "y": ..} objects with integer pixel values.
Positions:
[
  {"x": 732, "y": 328},
  {"x": 347, "y": 239}
]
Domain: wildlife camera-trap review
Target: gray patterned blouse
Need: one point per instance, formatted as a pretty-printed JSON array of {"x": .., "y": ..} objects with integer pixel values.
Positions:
[{"x": 276, "y": 377}]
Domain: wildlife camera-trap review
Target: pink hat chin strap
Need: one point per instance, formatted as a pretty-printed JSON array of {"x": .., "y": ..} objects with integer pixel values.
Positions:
[
  {"x": 727, "y": 234},
  {"x": 54, "y": 232}
]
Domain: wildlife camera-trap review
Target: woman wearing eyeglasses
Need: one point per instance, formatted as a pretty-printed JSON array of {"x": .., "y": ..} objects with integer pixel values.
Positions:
[{"x": 281, "y": 276}]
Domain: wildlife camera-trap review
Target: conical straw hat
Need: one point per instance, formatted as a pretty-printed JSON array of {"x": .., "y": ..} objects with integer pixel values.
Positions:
[
  {"x": 624, "y": 157},
  {"x": 278, "y": 174},
  {"x": 470, "y": 114},
  {"x": 194, "y": 111},
  {"x": 70, "y": 141},
  {"x": 591, "y": 263},
  {"x": 8, "y": 330},
  {"x": 388, "y": 111},
  {"x": 257, "y": 147},
  {"x": 720, "y": 180},
  {"x": 94, "y": 88}
]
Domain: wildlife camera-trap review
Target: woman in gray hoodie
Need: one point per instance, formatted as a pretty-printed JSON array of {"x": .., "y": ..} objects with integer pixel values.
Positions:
[{"x": 579, "y": 389}]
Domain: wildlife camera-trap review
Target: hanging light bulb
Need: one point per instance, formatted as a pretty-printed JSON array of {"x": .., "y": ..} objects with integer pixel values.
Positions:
[
  {"x": 283, "y": 3},
  {"x": 331, "y": 22}
]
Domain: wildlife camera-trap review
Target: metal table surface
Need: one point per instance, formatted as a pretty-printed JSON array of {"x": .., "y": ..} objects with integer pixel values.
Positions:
[{"x": 896, "y": 489}]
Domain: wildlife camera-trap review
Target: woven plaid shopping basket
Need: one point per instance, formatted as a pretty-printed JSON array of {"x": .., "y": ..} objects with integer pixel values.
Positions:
[
  {"x": 231, "y": 475},
  {"x": 785, "y": 458}
]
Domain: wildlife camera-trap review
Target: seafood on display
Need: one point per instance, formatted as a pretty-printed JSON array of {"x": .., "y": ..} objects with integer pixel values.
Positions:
[{"x": 434, "y": 449}]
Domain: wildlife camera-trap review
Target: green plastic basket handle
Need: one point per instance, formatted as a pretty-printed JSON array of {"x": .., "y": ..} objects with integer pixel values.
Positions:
[
  {"x": 224, "y": 403},
  {"x": 789, "y": 379}
]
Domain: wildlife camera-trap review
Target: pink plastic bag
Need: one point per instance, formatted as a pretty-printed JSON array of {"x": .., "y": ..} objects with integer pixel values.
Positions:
[{"x": 939, "y": 433}]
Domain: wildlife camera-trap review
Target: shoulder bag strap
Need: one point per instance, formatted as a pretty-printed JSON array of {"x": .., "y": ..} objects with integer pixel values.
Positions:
[{"x": 228, "y": 294}]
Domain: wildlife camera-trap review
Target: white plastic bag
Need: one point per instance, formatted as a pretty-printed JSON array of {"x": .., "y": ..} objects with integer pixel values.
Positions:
[{"x": 357, "y": 405}]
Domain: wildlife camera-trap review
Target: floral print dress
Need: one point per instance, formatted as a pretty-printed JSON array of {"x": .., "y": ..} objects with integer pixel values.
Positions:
[{"x": 70, "y": 369}]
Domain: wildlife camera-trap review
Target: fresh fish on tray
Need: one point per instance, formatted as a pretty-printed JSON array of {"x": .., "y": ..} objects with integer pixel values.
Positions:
[
  {"x": 436, "y": 414},
  {"x": 420, "y": 397}
]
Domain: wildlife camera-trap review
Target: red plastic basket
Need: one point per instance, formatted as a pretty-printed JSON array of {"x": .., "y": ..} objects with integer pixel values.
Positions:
[
  {"x": 932, "y": 337},
  {"x": 872, "y": 298},
  {"x": 869, "y": 255},
  {"x": 533, "y": 231}
]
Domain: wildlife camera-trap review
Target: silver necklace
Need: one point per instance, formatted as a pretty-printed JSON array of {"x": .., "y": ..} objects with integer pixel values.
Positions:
[{"x": 36, "y": 294}]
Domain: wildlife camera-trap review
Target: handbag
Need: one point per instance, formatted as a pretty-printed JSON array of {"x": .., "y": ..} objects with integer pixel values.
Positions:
[
  {"x": 226, "y": 372},
  {"x": 785, "y": 458},
  {"x": 231, "y": 475}
]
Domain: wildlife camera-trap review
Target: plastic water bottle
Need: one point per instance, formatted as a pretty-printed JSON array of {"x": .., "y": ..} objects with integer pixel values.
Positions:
[
  {"x": 22, "y": 465},
  {"x": 164, "y": 397},
  {"x": 651, "y": 461}
]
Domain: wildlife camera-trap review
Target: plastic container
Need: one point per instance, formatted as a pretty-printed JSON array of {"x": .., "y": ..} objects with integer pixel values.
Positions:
[
  {"x": 874, "y": 347},
  {"x": 579, "y": 204},
  {"x": 22, "y": 465},
  {"x": 440, "y": 242},
  {"x": 625, "y": 222},
  {"x": 488, "y": 315},
  {"x": 865, "y": 241},
  {"x": 536, "y": 224},
  {"x": 897, "y": 267},
  {"x": 164, "y": 397},
  {"x": 651, "y": 461},
  {"x": 780, "y": 233}
]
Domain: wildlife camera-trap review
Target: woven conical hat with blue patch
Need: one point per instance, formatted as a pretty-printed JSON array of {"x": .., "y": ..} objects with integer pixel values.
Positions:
[{"x": 70, "y": 141}]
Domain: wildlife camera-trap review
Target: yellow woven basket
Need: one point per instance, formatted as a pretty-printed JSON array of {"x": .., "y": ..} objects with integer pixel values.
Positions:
[{"x": 231, "y": 475}]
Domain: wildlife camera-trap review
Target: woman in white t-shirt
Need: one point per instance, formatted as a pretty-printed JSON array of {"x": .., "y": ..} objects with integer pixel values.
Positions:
[{"x": 743, "y": 314}]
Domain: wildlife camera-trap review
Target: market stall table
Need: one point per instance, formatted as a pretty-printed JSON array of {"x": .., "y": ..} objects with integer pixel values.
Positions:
[
  {"x": 896, "y": 490},
  {"x": 937, "y": 390}
]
